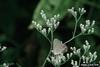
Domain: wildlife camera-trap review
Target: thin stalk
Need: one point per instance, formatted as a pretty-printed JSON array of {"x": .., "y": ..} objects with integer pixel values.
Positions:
[
  {"x": 51, "y": 43},
  {"x": 52, "y": 38},
  {"x": 44, "y": 36},
  {"x": 81, "y": 57},
  {"x": 73, "y": 38},
  {"x": 76, "y": 22},
  {"x": 79, "y": 60},
  {"x": 46, "y": 58}
]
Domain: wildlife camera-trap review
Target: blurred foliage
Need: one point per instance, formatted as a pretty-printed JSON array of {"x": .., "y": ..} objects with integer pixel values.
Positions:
[{"x": 16, "y": 16}]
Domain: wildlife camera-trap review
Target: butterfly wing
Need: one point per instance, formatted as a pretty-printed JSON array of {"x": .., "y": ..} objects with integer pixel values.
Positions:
[{"x": 58, "y": 47}]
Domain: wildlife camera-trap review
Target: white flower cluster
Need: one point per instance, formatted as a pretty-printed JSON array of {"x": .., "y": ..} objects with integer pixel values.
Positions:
[
  {"x": 75, "y": 51},
  {"x": 40, "y": 28},
  {"x": 81, "y": 11},
  {"x": 51, "y": 23},
  {"x": 86, "y": 57},
  {"x": 86, "y": 46},
  {"x": 88, "y": 28},
  {"x": 43, "y": 15},
  {"x": 3, "y": 48},
  {"x": 74, "y": 63},
  {"x": 57, "y": 59},
  {"x": 90, "y": 58},
  {"x": 69, "y": 55},
  {"x": 74, "y": 13}
]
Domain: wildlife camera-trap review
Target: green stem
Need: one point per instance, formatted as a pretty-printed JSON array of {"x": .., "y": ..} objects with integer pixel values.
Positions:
[
  {"x": 76, "y": 20},
  {"x": 73, "y": 38},
  {"x": 81, "y": 57},
  {"x": 51, "y": 42},
  {"x": 79, "y": 60},
  {"x": 46, "y": 58},
  {"x": 52, "y": 38}
]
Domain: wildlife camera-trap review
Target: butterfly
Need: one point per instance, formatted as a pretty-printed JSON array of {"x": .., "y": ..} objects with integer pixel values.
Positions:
[{"x": 58, "y": 47}]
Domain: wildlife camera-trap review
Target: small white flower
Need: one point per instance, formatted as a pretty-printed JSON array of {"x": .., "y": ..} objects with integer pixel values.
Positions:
[
  {"x": 95, "y": 53},
  {"x": 85, "y": 47},
  {"x": 43, "y": 31},
  {"x": 33, "y": 22},
  {"x": 83, "y": 57},
  {"x": 82, "y": 28},
  {"x": 82, "y": 11},
  {"x": 71, "y": 54},
  {"x": 76, "y": 63},
  {"x": 57, "y": 59},
  {"x": 56, "y": 16},
  {"x": 93, "y": 23},
  {"x": 87, "y": 43},
  {"x": 87, "y": 23},
  {"x": 43, "y": 15},
  {"x": 95, "y": 57},
  {"x": 58, "y": 23},
  {"x": 63, "y": 58},
  {"x": 68, "y": 56},
  {"x": 74, "y": 52},
  {"x": 73, "y": 12},
  {"x": 72, "y": 62},
  {"x": 49, "y": 29},
  {"x": 4, "y": 48},
  {"x": 92, "y": 30},
  {"x": 87, "y": 59},
  {"x": 90, "y": 54},
  {"x": 74, "y": 48},
  {"x": 52, "y": 20},
  {"x": 89, "y": 31},
  {"x": 71, "y": 48},
  {"x": 48, "y": 59},
  {"x": 55, "y": 26}
]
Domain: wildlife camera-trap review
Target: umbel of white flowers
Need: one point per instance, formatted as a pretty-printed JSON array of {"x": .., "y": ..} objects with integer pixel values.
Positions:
[
  {"x": 74, "y": 13},
  {"x": 88, "y": 27},
  {"x": 83, "y": 58},
  {"x": 51, "y": 24}
]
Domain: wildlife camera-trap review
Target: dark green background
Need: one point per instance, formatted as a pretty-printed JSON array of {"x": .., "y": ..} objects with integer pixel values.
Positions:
[{"x": 28, "y": 47}]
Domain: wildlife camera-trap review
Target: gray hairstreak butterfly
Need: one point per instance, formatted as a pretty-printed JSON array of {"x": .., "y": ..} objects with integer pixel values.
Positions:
[{"x": 58, "y": 47}]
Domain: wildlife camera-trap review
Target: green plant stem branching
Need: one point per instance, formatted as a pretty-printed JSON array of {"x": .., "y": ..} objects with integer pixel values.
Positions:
[
  {"x": 44, "y": 36},
  {"x": 51, "y": 43},
  {"x": 73, "y": 38},
  {"x": 76, "y": 23},
  {"x": 81, "y": 57}
]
